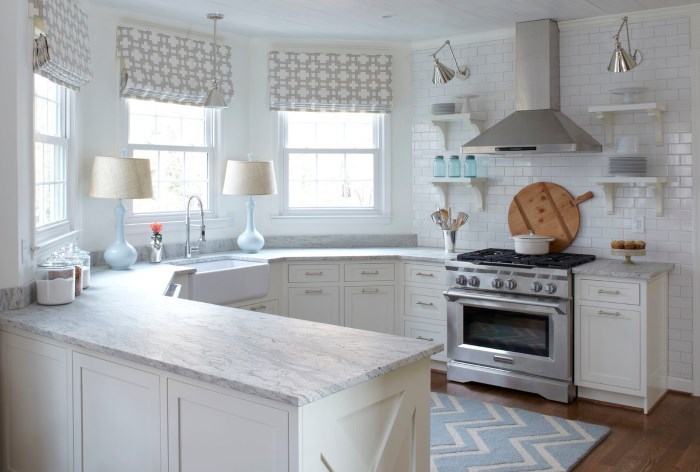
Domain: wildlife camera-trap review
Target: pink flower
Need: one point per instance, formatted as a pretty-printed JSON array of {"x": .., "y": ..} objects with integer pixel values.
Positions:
[{"x": 156, "y": 227}]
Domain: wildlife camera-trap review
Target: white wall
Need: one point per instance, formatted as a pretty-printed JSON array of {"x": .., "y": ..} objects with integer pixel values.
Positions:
[
  {"x": 16, "y": 139},
  {"x": 585, "y": 53}
]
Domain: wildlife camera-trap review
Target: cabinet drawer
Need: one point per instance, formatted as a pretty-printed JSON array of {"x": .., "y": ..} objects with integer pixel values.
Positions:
[
  {"x": 314, "y": 273},
  {"x": 609, "y": 291},
  {"x": 426, "y": 274},
  {"x": 368, "y": 272},
  {"x": 425, "y": 303},
  {"x": 428, "y": 332}
]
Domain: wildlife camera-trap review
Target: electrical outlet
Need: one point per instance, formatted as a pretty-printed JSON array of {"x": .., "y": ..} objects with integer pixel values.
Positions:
[{"x": 638, "y": 225}]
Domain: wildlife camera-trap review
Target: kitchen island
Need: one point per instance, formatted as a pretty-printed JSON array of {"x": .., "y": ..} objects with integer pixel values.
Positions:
[{"x": 127, "y": 379}]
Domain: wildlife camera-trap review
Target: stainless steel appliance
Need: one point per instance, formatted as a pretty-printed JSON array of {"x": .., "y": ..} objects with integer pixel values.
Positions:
[{"x": 510, "y": 320}]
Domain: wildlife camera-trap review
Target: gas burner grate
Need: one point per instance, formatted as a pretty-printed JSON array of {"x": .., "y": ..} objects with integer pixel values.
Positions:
[{"x": 553, "y": 260}]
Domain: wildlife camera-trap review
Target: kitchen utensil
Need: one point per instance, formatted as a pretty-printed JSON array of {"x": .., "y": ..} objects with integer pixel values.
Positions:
[
  {"x": 444, "y": 214},
  {"x": 531, "y": 243},
  {"x": 437, "y": 219},
  {"x": 461, "y": 219},
  {"x": 547, "y": 209}
]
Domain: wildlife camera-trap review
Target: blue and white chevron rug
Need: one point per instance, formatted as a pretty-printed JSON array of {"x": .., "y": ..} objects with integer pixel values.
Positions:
[{"x": 468, "y": 435}]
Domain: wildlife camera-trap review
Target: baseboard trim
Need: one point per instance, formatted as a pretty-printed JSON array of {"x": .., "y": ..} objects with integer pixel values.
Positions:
[{"x": 680, "y": 385}]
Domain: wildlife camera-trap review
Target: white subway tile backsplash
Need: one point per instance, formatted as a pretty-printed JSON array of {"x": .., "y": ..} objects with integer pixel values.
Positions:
[{"x": 665, "y": 72}]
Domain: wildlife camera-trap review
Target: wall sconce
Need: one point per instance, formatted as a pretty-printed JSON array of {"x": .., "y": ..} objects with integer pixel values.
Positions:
[
  {"x": 443, "y": 74},
  {"x": 621, "y": 60}
]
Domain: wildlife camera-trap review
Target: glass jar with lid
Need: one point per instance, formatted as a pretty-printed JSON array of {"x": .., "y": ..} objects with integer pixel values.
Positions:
[
  {"x": 74, "y": 251},
  {"x": 55, "y": 281},
  {"x": 439, "y": 166},
  {"x": 454, "y": 168},
  {"x": 77, "y": 263},
  {"x": 470, "y": 166}
]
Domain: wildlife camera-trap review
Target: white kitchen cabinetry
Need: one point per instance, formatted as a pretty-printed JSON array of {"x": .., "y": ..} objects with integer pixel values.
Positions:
[
  {"x": 117, "y": 416},
  {"x": 262, "y": 306},
  {"x": 424, "y": 306},
  {"x": 371, "y": 308},
  {"x": 36, "y": 412},
  {"x": 210, "y": 432},
  {"x": 315, "y": 303},
  {"x": 621, "y": 339}
]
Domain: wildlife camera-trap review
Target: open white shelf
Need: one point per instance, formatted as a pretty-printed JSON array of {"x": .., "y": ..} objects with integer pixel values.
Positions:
[
  {"x": 475, "y": 119},
  {"x": 608, "y": 185},
  {"x": 477, "y": 184},
  {"x": 607, "y": 114}
]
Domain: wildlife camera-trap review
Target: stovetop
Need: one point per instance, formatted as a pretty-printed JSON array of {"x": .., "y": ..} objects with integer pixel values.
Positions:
[{"x": 553, "y": 260}]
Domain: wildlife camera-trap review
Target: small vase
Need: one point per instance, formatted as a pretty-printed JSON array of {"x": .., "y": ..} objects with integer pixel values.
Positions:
[{"x": 155, "y": 253}]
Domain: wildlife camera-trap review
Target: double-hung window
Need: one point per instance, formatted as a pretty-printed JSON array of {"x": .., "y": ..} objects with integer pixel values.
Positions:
[
  {"x": 179, "y": 142},
  {"x": 52, "y": 108},
  {"x": 334, "y": 163}
]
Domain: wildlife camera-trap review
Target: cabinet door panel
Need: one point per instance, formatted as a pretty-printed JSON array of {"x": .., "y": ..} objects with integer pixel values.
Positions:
[
  {"x": 425, "y": 303},
  {"x": 35, "y": 407},
  {"x": 428, "y": 332},
  {"x": 212, "y": 432},
  {"x": 610, "y": 346},
  {"x": 117, "y": 418},
  {"x": 370, "y": 308},
  {"x": 425, "y": 274},
  {"x": 320, "y": 304}
]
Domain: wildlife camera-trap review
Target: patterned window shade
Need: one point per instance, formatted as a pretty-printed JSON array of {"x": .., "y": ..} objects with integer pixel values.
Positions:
[
  {"x": 305, "y": 81},
  {"x": 61, "y": 51},
  {"x": 168, "y": 68}
]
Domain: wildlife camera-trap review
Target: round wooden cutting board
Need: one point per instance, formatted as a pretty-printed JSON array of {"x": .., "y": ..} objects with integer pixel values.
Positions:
[{"x": 549, "y": 210}]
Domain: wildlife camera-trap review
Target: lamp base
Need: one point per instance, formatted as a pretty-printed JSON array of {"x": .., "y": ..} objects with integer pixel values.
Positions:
[
  {"x": 120, "y": 255},
  {"x": 250, "y": 241}
]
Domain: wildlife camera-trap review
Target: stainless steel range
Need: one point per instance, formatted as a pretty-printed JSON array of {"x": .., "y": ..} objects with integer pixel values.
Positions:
[{"x": 510, "y": 320}]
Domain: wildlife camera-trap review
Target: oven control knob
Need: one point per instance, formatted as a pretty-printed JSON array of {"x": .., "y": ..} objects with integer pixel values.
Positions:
[
  {"x": 511, "y": 284},
  {"x": 474, "y": 281},
  {"x": 497, "y": 283},
  {"x": 536, "y": 287},
  {"x": 550, "y": 288},
  {"x": 461, "y": 280}
]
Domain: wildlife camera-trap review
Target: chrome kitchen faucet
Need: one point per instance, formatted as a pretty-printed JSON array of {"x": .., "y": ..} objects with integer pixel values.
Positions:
[{"x": 189, "y": 248}]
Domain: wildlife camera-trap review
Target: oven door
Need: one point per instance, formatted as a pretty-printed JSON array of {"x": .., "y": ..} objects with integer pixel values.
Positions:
[{"x": 518, "y": 333}]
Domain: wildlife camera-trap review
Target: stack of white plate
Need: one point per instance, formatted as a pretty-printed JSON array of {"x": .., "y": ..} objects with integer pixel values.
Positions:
[
  {"x": 627, "y": 166},
  {"x": 442, "y": 108}
]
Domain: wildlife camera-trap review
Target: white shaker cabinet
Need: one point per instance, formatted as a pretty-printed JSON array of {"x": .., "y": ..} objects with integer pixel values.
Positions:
[
  {"x": 36, "y": 411},
  {"x": 315, "y": 303},
  {"x": 424, "y": 306},
  {"x": 212, "y": 432},
  {"x": 370, "y": 307},
  {"x": 117, "y": 417},
  {"x": 621, "y": 339}
]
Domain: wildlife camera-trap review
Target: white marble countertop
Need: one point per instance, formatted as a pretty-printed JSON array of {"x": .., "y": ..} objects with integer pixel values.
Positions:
[
  {"x": 124, "y": 314},
  {"x": 618, "y": 268}
]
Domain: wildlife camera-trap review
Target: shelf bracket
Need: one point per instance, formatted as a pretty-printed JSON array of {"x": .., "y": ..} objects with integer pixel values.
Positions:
[
  {"x": 442, "y": 126},
  {"x": 609, "y": 192}
]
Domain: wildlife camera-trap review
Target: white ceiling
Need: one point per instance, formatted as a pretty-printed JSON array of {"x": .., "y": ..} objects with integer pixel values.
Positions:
[{"x": 411, "y": 20}]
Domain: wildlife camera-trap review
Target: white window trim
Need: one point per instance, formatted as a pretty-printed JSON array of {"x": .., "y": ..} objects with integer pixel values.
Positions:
[
  {"x": 136, "y": 224},
  {"x": 51, "y": 234},
  {"x": 380, "y": 214}
]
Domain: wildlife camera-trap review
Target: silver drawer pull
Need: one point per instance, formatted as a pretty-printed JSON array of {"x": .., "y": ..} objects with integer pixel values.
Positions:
[
  {"x": 313, "y": 291},
  {"x": 424, "y": 304},
  {"x": 370, "y": 290},
  {"x": 423, "y": 274},
  {"x": 609, "y": 292},
  {"x": 370, "y": 272},
  {"x": 424, "y": 339},
  {"x": 320, "y": 272},
  {"x": 257, "y": 307},
  {"x": 617, "y": 313}
]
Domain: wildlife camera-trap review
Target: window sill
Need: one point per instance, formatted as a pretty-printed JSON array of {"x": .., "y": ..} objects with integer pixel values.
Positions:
[{"x": 337, "y": 219}]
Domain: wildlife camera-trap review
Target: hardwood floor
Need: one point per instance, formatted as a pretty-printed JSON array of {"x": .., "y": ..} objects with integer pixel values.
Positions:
[{"x": 666, "y": 440}]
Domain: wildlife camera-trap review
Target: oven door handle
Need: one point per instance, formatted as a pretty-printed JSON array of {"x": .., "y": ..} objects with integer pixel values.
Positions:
[{"x": 455, "y": 295}]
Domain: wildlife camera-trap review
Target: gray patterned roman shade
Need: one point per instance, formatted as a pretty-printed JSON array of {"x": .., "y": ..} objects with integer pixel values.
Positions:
[
  {"x": 169, "y": 68},
  {"x": 62, "y": 50},
  {"x": 304, "y": 81}
]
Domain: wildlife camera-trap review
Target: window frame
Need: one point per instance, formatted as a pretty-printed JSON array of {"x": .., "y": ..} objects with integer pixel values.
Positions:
[
  {"x": 212, "y": 132},
  {"x": 56, "y": 230},
  {"x": 381, "y": 172}
]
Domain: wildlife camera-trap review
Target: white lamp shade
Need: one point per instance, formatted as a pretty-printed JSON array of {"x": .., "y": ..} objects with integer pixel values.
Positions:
[
  {"x": 249, "y": 178},
  {"x": 120, "y": 178}
]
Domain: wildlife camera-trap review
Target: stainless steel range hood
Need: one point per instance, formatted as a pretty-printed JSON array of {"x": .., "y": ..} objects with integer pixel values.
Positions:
[{"x": 537, "y": 125}]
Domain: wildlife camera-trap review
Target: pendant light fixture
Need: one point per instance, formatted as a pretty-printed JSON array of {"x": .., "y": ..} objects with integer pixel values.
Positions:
[
  {"x": 621, "y": 60},
  {"x": 443, "y": 74},
  {"x": 215, "y": 99}
]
